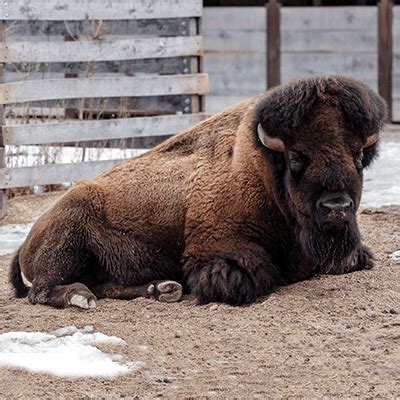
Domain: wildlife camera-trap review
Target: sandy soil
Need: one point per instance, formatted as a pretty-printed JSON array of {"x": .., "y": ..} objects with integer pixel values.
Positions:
[{"x": 334, "y": 336}]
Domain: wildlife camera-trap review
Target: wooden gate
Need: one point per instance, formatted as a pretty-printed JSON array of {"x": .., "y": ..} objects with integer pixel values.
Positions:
[{"x": 71, "y": 64}]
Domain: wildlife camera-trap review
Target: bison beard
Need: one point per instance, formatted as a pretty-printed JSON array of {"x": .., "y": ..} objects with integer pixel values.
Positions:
[
  {"x": 331, "y": 250},
  {"x": 261, "y": 195}
]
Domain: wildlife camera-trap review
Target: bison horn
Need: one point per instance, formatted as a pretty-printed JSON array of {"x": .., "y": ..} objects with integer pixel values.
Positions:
[
  {"x": 371, "y": 140},
  {"x": 269, "y": 142}
]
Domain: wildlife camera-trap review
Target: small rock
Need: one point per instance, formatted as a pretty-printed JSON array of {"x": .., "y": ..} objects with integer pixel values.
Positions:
[
  {"x": 214, "y": 307},
  {"x": 177, "y": 334},
  {"x": 167, "y": 380},
  {"x": 394, "y": 311}
]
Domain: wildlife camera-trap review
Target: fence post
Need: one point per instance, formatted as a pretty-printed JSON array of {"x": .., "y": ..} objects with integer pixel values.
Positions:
[
  {"x": 3, "y": 198},
  {"x": 273, "y": 43},
  {"x": 385, "y": 52}
]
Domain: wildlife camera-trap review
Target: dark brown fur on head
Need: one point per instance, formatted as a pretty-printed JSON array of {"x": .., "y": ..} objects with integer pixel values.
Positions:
[
  {"x": 288, "y": 108},
  {"x": 323, "y": 122}
]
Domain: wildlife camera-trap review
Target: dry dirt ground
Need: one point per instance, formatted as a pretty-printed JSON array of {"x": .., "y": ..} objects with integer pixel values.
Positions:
[{"x": 333, "y": 336}]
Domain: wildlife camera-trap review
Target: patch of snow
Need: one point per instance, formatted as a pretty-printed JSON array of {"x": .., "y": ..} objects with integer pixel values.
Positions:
[
  {"x": 143, "y": 349},
  {"x": 382, "y": 180},
  {"x": 395, "y": 256},
  {"x": 66, "y": 352},
  {"x": 12, "y": 236}
]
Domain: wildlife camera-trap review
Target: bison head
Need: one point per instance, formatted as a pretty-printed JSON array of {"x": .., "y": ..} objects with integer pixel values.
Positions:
[{"x": 318, "y": 135}]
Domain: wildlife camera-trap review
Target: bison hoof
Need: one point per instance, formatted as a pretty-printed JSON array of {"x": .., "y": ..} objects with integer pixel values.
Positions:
[
  {"x": 82, "y": 302},
  {"x": 224, "y": 281},
  {"x": 364, "y": 260},
  {"x": 165, "y": 291}
]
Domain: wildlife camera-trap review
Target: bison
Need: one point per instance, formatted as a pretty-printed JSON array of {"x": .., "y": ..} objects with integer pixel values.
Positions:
[{"x": 261, "y": 195}]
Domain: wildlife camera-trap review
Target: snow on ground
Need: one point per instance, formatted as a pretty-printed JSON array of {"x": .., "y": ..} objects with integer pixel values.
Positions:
[
  {"x": 12, "y": 236},
  {"x": 382, "y": 180},
  {"x": 381, "y": 186},
  {"x": 396, "y": 255},
  {"x": 66, "y": 352}
]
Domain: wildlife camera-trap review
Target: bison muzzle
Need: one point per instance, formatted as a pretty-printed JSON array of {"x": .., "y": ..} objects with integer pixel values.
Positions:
[{"x": 260, "y": 195}]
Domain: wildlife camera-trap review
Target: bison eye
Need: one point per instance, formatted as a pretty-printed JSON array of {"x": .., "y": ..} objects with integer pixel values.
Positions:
[
  {"x": 359, "y": 160},
  {"x": 296, "y": 162}
]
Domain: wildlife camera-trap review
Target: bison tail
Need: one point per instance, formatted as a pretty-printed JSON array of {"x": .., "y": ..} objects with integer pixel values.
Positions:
[{"x": 15, "y": 278}]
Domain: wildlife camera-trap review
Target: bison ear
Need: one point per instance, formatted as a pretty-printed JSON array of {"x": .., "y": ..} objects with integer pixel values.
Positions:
[{"x": 269, "y": 142}]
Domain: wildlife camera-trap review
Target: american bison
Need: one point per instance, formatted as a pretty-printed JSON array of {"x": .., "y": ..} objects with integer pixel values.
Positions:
[{"x": 260, "y": 195}]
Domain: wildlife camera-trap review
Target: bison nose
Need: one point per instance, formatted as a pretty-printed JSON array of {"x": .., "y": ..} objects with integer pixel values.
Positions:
[{"x": 335, "y": 203}]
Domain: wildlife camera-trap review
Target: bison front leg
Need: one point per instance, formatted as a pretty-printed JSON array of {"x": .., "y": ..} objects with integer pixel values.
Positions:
[
  {"x": 361, "y": 258},
  {"x": 161, "y": 290},
  {"x": 236, "y": 278}
]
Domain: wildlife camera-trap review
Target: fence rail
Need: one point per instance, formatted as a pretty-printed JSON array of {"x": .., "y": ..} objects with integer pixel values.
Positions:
[
  {"x": 104, "y": 50},
  {"x": 246, "y": 52},
  {"x": 94, "y": 71},
  {"x": 121, "y": 128},
  {"x": 53, "y": 173},
  {"x": 53, "y": 89},
  {"x": 64, "y": 10}
]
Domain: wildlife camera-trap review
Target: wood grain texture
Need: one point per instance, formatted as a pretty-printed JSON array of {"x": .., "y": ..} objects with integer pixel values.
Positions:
[
  {"x": 98, "y": 9},
  {"x": 53, "y": 173},
  {"x": 104, "y": 50},
  {"x": 328, "y": 18},
  {"x": 273, "y": 69},
  {"x": 385, "y": 52},
  {"x": 314, "y": 40},
  {"x": 74, "y": 131},
  {"x": 50, "y": 89},
  {"x": 3, "y": 197},
  {"x": 34, "y": 29},
  {"x": 396, "y": 65}
]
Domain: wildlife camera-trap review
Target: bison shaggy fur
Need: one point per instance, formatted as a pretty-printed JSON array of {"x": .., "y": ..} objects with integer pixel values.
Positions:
[{"x": 261, "y": 195}]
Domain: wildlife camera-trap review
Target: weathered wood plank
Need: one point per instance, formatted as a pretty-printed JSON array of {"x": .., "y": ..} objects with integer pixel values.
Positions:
[
  {"x": 293, "y": 18},
  {"x": 107, "y": 50},
  {"x": 327, "y": 18},
  {"x": 332, "y": 41},
  {"x": 53, "y": 173},
  {"x": 385, "y": 52},
  {"x": 360, "y": 66},
  {"x": 396, "y": 65},
  {"x": 22, "y": 30},
  {"x": 236, "y": 73},
  {"x": 3, "y": 197},
  {"x": 243, "y": 74},
  {"x": 218, "y": 103},
  {"x": 396, "y": 110},
  {"x": 225, "y": 40},
  {"x": 273, "y": 43},
  {"x": 98, "y": 9},
  {"x": 50, "y": 89},
  {"x": 74, "y": 131},
  {"x": 237, "y": 18},
  {"x": 156, "y": 105},
  {"x": 31, "y": 71}
]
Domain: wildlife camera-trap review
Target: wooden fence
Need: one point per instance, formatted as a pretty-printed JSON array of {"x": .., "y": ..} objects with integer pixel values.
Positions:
[
  {"x": 82, "y": 59},
  {"x": 242, "y": 48}
]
